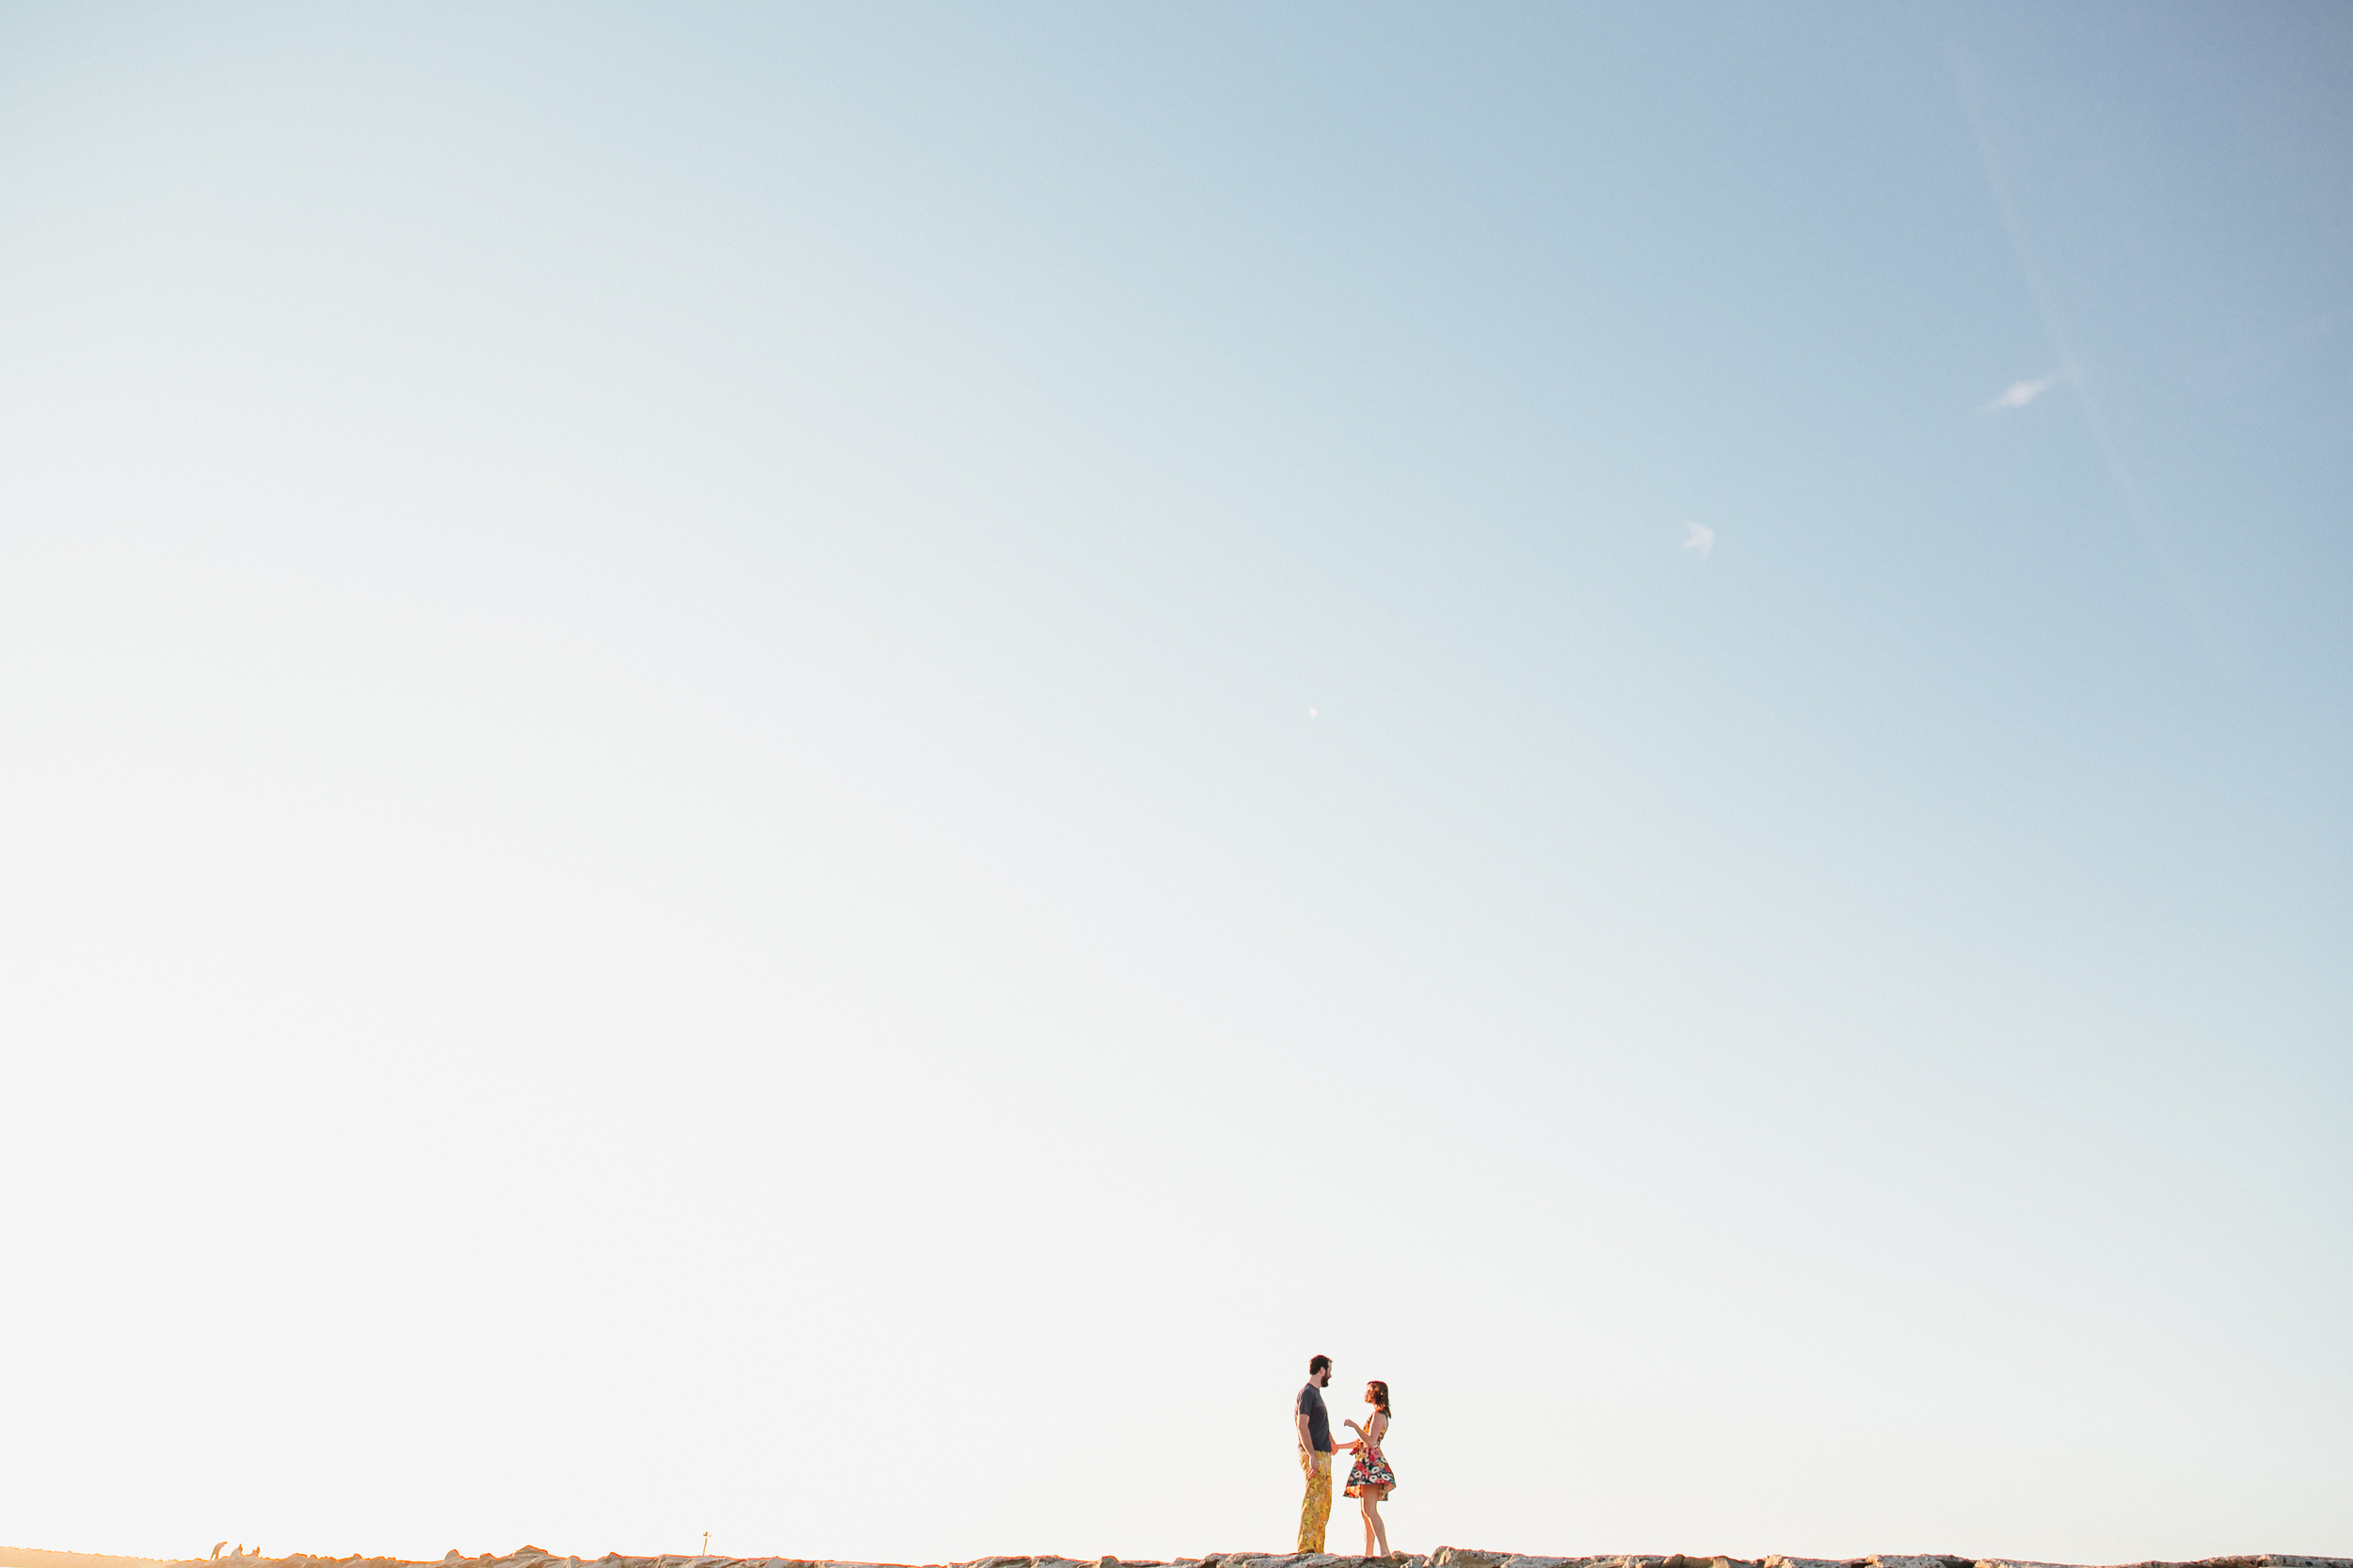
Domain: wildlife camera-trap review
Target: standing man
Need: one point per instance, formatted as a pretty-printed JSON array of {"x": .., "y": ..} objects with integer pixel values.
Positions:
[{"x": 1315, "y": 1454}]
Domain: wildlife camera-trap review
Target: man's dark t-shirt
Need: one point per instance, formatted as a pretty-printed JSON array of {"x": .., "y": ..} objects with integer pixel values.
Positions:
[{"x": 1319, "y": 1425}]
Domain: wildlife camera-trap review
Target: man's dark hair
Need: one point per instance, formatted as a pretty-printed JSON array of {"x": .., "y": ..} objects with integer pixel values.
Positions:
[{"x": 1318, "y": 1363}]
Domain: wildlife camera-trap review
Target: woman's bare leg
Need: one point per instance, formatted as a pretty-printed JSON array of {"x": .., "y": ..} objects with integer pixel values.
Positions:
[
  {"x": 1375, "y": 1525},
  {"x": 1366, "y": 1502}
]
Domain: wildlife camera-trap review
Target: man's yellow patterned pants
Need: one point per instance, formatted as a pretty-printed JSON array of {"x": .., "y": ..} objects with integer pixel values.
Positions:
[{"x": 1316, "y": 1509}]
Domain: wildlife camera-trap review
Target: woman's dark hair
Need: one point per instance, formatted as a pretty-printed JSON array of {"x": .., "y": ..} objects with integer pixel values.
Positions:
[{"x": 1379, "y": 1395}]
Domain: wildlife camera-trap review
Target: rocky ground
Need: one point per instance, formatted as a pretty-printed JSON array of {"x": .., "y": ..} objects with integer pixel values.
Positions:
[{"x": 1444, "y": 1556}]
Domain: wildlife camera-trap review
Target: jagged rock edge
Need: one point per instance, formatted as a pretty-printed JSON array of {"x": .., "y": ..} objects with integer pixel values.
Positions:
[{"x": 1444, "y": 1557}]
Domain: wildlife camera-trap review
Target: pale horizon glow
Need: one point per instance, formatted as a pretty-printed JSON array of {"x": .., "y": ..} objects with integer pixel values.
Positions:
[{"x": 662, "y": 869}]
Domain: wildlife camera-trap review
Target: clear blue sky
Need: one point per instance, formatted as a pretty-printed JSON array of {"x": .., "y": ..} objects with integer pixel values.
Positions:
[{"x": 814, "y": 771}]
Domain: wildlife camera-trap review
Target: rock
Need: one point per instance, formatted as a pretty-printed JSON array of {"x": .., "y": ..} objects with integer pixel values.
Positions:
[
  {"x": 1444, "y": 1557},
  {"x": 1468, "y": 1557}
]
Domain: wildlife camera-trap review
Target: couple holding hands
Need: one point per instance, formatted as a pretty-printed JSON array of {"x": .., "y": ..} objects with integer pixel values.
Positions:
[{"x": 1368, "y": 1481}]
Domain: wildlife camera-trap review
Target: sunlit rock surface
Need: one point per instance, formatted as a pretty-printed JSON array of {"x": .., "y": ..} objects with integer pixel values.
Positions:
[{"x": 1444, "y": 1556}]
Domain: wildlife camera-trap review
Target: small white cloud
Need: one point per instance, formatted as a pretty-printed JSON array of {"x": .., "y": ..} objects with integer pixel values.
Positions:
[
  {"x": 2019, "y": 393},
  {"x": 1311, "y": 712},
  {"x": 1698, "y": 538}
]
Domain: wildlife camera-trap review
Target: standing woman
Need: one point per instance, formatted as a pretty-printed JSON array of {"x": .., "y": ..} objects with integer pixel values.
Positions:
[{"x": 1370, "y": 1479}]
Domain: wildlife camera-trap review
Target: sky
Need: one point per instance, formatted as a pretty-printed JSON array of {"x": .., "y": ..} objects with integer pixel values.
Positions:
[{"x": 812, "y": 772}]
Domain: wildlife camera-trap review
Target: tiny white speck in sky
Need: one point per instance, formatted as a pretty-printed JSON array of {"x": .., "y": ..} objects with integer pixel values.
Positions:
[
  {"x": 1698, "y": 536},
  {"x": 1311, "y": 712},
  {"x": 2019, "y": 393}
]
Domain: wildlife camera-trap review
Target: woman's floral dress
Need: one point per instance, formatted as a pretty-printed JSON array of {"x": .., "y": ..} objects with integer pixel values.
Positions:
[{"x": 1372, "y": 1469}]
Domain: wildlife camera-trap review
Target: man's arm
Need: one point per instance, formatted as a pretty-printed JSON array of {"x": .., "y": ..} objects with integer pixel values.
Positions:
[{"x": 1298, "y": 1419}]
